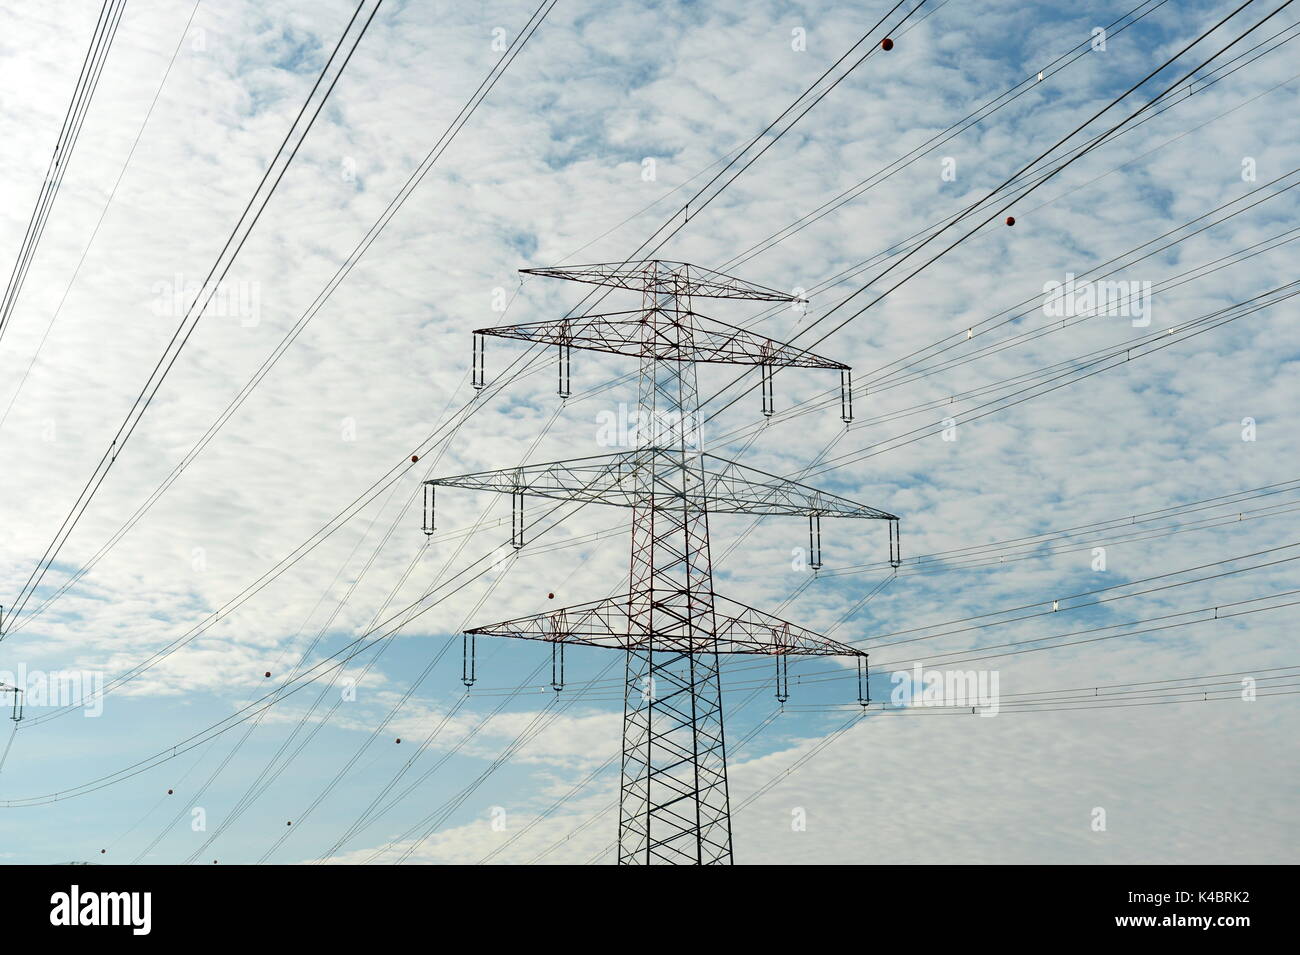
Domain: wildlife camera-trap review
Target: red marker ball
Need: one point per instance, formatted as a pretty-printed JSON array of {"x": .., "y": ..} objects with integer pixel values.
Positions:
[
  {"x": 886, "y": 44},
  {"x": 268, "y": 672},
  {"x": 398, "y": 740},
  {"x": 289, "y": 823},
  {"x": 550, "y": 596},
  {"x": 102, "y": 851},
  {"x": 169, "y": 792},
  {"x": 1011, "y": 220},
  {"x": 414, "y": 458}
]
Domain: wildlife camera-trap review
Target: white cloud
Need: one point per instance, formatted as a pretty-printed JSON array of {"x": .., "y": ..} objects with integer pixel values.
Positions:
[{"x": 551, "y": 161}]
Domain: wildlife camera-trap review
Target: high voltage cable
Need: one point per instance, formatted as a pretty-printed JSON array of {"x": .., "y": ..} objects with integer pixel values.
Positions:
[
  {"x": 1001, "y": 559},
  {"x": 826, "y": 399},
  {"x": 998, "y": 320},
  {"x": 322, "y": 297},
  {"x": 731, "y": 155},
  {"x": 275, "y": 770},
  {"x": 372, "y": 812},
  {"x": 1044, "y": 176},
  {"x": 1215, "y": 609},
  {"x": 1050, "y": 372},
  {"x": 1192, "y": 692},
  {"x": 845, "y": 274},
  {"x": 1058, "y": 170},
  {"x": 442, "y": 816},
  {"x": 667, "y": 231},
  {"x": 726, "y": 157},
  {"x": 1166, "y": 339},
  {"x": 859, "y": 714},
  {"x": 484, "y": 87},
  {"x": 538, "y": 725},
  {"x": 1046, "y": 601},
  {"x": 359, "y": 503},
  {"x": 540, "y": 722},
  {"x": 339, "y": 658},
  {"x": 250, "y": 795},
  {"x": 993, "y": 194},
  {"x": 1128, "y": 520},
  {"x": 1190, "y": 328},
  {"x": 1130, "y": 585},
  {"x": 343, "y": 271},
  {"x": 321, "y": 631},
  {"x": 1055, "y": 603},
  {"x": 112, "y": 194},
  {"x": 226, "y": 257},
  {"x": 1120, "y": 262},
  {"x": 862, "y": 386},
  {"x": 1064, "y": 703},
  {"x": 489, "y": 691},
  {"x": 505, "y": 380},
  {"x": 92, "y": 68},
  {"x": 685, "y": 212},
  {"x": 858, "y": 717},
  {"x": 971, "y": 119},
  {"x": 499, "y": 385},
  {"x": 1023, "y": 190},
  {"x": 433, "y": 440},
  {"x": 1214, "y": 612}
]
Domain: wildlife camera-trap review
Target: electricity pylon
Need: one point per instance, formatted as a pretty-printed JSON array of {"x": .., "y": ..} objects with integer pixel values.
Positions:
[{"x": 674, "y": 806}]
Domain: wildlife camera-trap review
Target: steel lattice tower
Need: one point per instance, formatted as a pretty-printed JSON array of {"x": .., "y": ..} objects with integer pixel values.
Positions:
[{"x": 674, "y": 806}]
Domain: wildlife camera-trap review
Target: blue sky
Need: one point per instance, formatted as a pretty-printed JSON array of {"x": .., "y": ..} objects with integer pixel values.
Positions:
[{"x": 551, "y": 164}]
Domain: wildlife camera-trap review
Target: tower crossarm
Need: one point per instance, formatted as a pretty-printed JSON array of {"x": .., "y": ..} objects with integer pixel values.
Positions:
[
  {"x": 663, "y": 277},
  {"x": 671, "y": 624},
  {"x": 632, "y": 333},
  {"x": 726, "y": 487},
  {"x": 608, "y": 623},
  {"x": 734, "y": 488}
]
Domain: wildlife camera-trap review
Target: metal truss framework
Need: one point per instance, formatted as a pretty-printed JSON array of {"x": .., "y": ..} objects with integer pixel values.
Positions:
[
  {"x": 619, "y": 333},
  {"x": 722, "y": 486},
  {"x": 674, "y": 806},
  {"x": 661, "y": 277}
]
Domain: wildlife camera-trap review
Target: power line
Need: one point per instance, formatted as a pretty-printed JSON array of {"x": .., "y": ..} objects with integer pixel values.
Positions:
[
  {"x": 993, "y": 194},
  {"x": 336, "y": 522},
  {"x": 975, "y": 117},
  {"x": 234, "y": 243},
  {"x": 92, "y": 67},
  {"x": 112, "y": 194},
  {"x": 253, "y": 791},
  {"x": 322, "y": 297}
]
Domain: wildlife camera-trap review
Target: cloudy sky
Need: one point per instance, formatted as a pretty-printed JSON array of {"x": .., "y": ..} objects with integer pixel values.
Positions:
[{"x": 610, "y": 117}]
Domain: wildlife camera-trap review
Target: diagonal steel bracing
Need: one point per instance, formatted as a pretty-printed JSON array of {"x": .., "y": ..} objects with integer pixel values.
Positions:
[
  {"x": 709, "y": 483},
  {"x": 674, "y": 806}
]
